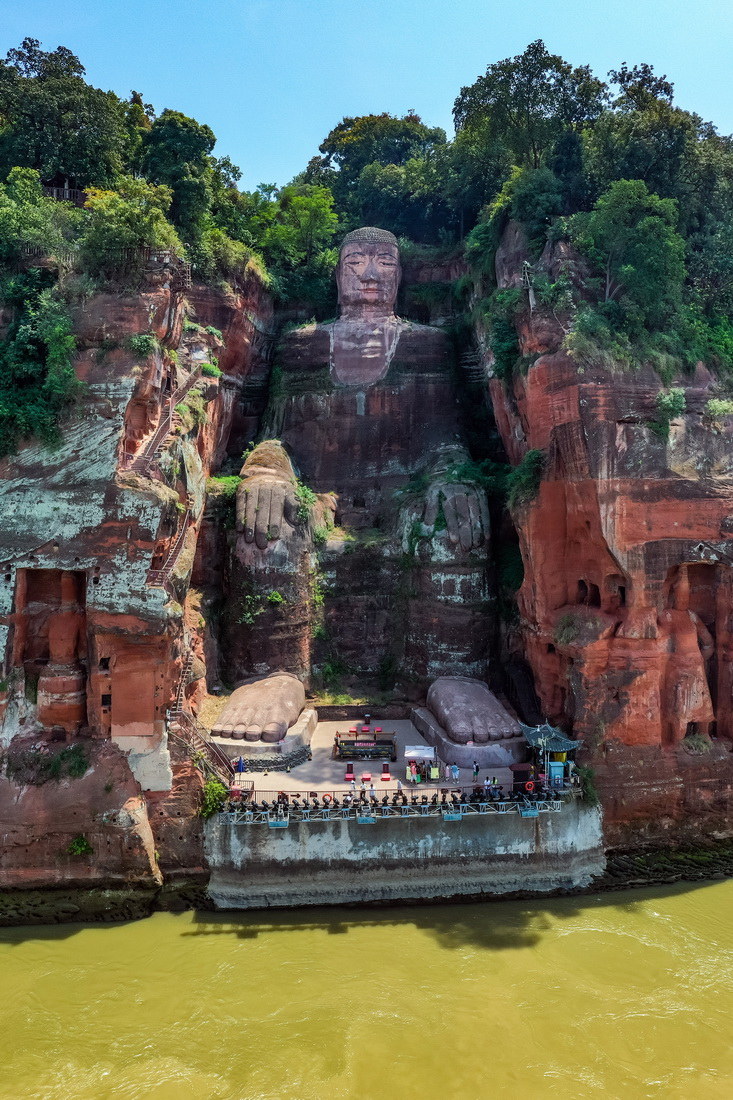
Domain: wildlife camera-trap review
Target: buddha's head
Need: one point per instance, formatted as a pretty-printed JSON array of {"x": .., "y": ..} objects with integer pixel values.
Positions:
[{"x": 368, "y": 273}]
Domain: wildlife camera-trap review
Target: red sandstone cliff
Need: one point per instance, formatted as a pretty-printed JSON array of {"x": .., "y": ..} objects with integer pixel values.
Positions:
[
  {"x": 96, "y": 545},
  {"x": 627, "y": 602}
]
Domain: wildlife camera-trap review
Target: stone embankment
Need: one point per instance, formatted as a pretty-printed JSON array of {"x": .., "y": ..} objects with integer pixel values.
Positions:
[{"x": 343, "y": 862}]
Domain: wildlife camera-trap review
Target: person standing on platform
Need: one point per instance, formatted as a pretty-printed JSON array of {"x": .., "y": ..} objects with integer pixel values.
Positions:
[
  {"x": 448, "y": 772},
  {"x": 413, "y": 772},
  {"x": 475, "y": 772},
  {"x": 399, "y": 786},
  {"x": 487, "y": 785},
  {"x": 456, "y": 773}
]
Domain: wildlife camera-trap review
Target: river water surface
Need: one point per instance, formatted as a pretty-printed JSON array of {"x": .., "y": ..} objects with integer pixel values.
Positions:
[{"x": 625, "y": 995}]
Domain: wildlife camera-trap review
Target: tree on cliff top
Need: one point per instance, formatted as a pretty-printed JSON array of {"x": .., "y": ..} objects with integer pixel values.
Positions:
[
  {"x": 53, "y": 121},
  {"x": 630, "y": 237},
  {"x": 133, "y": 216},
  {"x": 384, "y": 170},
  {"x": 176, "y": 152},
  {"x": 376, "y": 139},
  {"x": 28, "y": 218},
  {"x": 525, "y": 103}
]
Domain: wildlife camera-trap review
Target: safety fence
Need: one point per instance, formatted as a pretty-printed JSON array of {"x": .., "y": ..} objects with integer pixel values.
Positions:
[{"x": 281, "y": 815}]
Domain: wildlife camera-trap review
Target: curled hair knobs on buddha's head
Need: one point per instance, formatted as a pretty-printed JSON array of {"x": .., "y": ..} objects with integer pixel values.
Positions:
[{"x": 369, "y": 234}]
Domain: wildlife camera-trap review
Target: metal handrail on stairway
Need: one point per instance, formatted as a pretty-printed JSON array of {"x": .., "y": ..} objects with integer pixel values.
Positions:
[
  {"x": 141, "y": 460},
  {"x": 195, "y": 736},
  {"x": 160, "y": 578}
]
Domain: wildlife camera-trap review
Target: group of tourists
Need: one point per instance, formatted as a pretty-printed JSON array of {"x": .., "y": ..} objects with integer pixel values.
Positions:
[
  {"x": 420, "y": 772},
  {"x": 370, "y": 799}
]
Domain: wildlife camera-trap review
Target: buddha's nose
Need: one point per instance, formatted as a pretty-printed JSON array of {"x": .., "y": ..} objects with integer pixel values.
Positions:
[{"x": 371, "y": 272}]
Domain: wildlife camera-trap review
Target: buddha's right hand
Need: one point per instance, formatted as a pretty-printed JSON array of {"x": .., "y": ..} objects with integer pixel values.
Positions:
[{"x": 266, "y": 503}]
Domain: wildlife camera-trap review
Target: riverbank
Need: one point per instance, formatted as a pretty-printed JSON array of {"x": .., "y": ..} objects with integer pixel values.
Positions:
[{"x": 625, "y": 870}]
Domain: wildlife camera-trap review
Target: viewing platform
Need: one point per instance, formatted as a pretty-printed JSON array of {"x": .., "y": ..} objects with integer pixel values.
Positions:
[{"x": 364, "y": 813}]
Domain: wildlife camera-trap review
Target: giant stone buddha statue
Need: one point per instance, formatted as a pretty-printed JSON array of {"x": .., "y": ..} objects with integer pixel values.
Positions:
[{"x": 365, "y": 411}]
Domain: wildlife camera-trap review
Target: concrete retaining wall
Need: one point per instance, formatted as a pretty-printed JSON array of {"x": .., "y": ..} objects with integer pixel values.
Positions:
[{"x": 401, "y": 859}]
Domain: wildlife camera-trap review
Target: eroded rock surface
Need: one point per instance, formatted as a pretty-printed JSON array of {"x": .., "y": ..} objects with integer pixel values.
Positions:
[{"x": 627, "y": 601}]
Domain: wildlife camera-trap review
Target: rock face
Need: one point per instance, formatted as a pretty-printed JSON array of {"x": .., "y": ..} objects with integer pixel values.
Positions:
[
  {"x": 390, "y": 594},
  {"x": 96, "y": 547},
  {"x": 627, "y": 601}
]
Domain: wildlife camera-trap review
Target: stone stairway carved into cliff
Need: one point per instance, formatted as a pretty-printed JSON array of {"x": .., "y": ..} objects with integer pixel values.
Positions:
[
  {"x": 195, "y": 738},
  {"x": 160, "y": 578},
  {"x": 214, "y": 762},
  {"x": 206, "y": 755},
  {"x": 141, "y": 461}
]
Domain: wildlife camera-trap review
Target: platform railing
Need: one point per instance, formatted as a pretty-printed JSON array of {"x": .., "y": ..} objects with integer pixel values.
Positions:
[{"x": 250, "y": 812}]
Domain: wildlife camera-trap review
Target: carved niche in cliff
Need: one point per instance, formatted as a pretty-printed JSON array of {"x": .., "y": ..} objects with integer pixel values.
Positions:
[
  {"x": 49, "y": 642},
  {"x": 365, "y": 411}
]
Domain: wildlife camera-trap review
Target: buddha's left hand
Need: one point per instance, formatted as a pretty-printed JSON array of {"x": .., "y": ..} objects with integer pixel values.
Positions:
[{"x": 465, "y": 510}]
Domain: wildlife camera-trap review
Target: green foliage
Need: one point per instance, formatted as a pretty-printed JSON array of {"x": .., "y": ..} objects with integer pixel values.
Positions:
[
  {"x": 176, "y": 154},
  {"x": 697, "y": 744},
  {"x": 523, "y": 483},
  {"x": 32, "y": 767},
  {"x": 717, "y": 408},
  {"x": 631, "y": 240},
  {"x": 532, "y": 196},
  {"x": 79, "y": 846},
  {"x": 37, "y": 379},
  {"x": 499, "y": 313},
  {"x": 250, "y": 606},
  {"x": 212, "y": 331},
  {"x": 332, "y": 672},
  {"x": 28, "y": 220},
  {"x": 208, "y": 370},
  {"x": 218, "y": 257},
  {"x": 223, "y": 487},
  {"x": 588, "y": 785},
  {"x": 143, "y": 344},
  {"x": 72, "y": 762},
  {"x": 524, "y": 104},
  {"x": 318, "y": 589},
  {"x": 670, "y": 404},
  {"x": 54, "y": 122},
  {"x": 276, "y": 598},
  {"x": 480, "y": 247},
  {"x": 119, "y": 223},
  {"x": 213, "y": 798},
  {"x": 307, "y": 500}
]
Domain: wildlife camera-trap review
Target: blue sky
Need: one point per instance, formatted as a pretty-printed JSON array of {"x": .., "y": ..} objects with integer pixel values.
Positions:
[{"x": 272, "y": 77}]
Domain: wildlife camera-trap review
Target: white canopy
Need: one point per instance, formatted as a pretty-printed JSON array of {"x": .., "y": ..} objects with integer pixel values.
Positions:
[{"x": 419, "y": 752}]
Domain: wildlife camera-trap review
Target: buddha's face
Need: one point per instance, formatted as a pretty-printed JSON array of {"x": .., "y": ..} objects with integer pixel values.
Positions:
[{"x": 368, "y": 276}]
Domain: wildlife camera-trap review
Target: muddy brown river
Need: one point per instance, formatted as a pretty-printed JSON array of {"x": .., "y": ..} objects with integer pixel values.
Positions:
[{"x": 624, "y": 995}]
